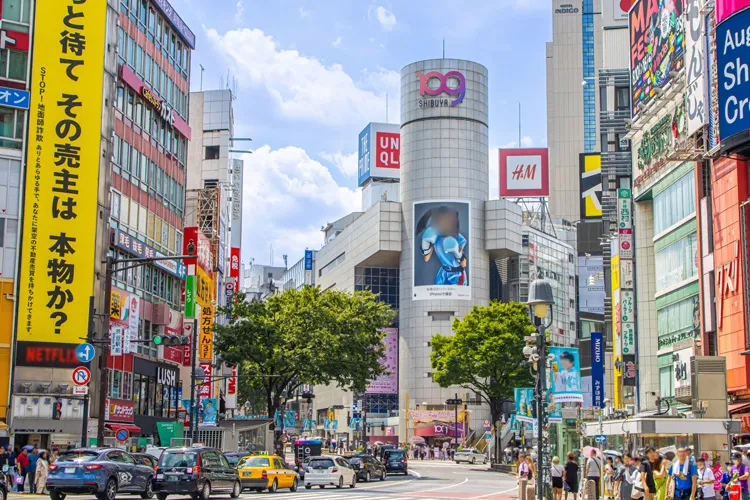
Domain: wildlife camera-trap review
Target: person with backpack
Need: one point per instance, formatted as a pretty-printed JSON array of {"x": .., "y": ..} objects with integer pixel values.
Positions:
[{"x": 594, "y": 471}]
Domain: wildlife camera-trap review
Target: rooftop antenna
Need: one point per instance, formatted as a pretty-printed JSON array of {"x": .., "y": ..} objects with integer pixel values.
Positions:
[
  {"x": 443, "y": 48},
  {"x": 519, "y": 124},
  {"x": 202, "y": 70}
]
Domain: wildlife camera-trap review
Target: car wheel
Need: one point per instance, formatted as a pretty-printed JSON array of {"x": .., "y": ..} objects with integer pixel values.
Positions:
[
  {"x": 160, "y": 496},
  {"x": 149, "y": 492},
  {"x": 354, "y": 481},
  {"x": 383, "y": 475},
  {"x": 110, "y": 490},
  {"x": 367, "y": 477},
  {"x": 308, "y": 486},
  {"x": 236, "y": 490},
  {"x": 294, "y": 486},
  {"x": 321, "y": 486},
  {"x": 341, "y": 482},
  {"x": 56, "y": 495},
  {"x": 205, "y": 493},
  {"x": 274, "y": 487}
]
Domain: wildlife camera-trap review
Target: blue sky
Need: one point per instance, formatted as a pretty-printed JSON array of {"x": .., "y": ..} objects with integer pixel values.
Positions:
[{"x": 311, "y": 75}]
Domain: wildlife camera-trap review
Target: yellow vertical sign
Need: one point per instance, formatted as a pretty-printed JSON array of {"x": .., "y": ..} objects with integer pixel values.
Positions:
[
  {"x": 206, "y": 337},
  {"x": 62, "y": 172}
]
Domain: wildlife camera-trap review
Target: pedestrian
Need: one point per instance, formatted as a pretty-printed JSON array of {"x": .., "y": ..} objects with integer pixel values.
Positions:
[
  {"x": 532, "y": 467},
  {"x": 624, "y": 478},
  {"x": 42, "y": 468},
  {"x": 557, "y": 471},
  {"x": 746, "y": 457},
  {"x": 571, "y": 476},
  {"x": 609, "y": 478},
  {"x": 33, "y": 457},
  {"x": 660, "y": 478},
  {"x": 639, "y": 490},
  {"x": 10, "y": 475},
  {"x": 647, "y": 473},
  {"x": 594, "y": 471},
  {"x": 740, "y": 472},
  {"x": 56, "y": 454},
  {"x": 726, "y": 477},
  {"x": 705, "y": 481},
  {"x": 524, "y": 471},
  {"x": 22, "y": 466},
  {"x": 685, "y": 476},
  {"x": 436, "y": 453}
]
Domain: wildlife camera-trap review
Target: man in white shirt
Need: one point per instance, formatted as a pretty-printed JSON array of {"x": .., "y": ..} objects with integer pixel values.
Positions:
[
  {"x": 705, "y": 480},
  {"x": 594, "y": 471}
]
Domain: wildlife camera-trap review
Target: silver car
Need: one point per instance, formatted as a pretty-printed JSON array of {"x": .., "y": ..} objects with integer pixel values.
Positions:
[{"x": 471, "y": 456}]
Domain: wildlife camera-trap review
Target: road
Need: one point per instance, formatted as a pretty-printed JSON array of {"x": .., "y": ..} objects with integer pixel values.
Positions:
[{"x": 428, "y": 480}]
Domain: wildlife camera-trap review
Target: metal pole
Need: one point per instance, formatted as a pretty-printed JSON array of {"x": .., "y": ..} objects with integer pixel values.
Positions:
[
  {"x": 104, "y": 357},
  {"x": 193, "y": 359},
  {"x": 87, "y": 399},
  {"x": 455, "y": 430},
  {"x": 541, "y": 373}
]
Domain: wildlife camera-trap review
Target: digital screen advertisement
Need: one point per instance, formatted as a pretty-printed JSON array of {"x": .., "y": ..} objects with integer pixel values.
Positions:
[
  {"x": 442, "y": 254},
  {"x": 565, "y": 375}
]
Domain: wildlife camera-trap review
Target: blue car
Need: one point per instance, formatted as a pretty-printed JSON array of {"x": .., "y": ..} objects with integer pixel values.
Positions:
[{"x": 103, "y": 472}]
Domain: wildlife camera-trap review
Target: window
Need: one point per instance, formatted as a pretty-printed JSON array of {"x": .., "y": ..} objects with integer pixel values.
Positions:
[
  {"x": 17, "y": 11},
  {"x": 622, "y": 99},
  {"x": 666, "y": 381},
  {"x": 675, "y": 203},
  {"x": 678, "y": 321},
  {"x": 2, "y": 233},
  {"x": 13, "y": 64},
  {"x": 212, "y": 153},
  {"x": 676, "y": 263},
  {"x": 11, "y": 127}
]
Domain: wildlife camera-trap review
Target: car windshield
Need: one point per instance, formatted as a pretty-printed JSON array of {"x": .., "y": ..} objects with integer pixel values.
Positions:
[
  {"x": 394, "y": 455},
  {"x": 354, "y": 460},
  {"x": 78, "y": 456},
  {"x": 234, "y": 459},
  {"x": 321, "y": 463},
  {"x": 255, "y": 462},
  {"x": 178, "y": 459},
  {"x": 143, "y": 460}
]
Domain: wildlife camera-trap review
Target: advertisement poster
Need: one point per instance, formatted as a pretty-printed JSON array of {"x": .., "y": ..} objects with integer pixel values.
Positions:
[
  {"x": 524, "y": 172},
  {"x": 695, "y": 102},
  {"x": 565, "y": 373},
  {"x": 657, "y": 47},
  {"x": 442, "y": 253},
  {"x": 597, "y": 369},
  {"x": 208, "y": 411},
  {"x": 628, "y": 338},
  {"x": 726, "y": 8},
  {"x": 525, "y": 404},
  {"x": 388, "y": 382},
  {"x": 733, "y": 56},
  {"x": 590, "y": 167},
  {"x": 553, "y": 408},
  {"x": 591, "y": 284}
]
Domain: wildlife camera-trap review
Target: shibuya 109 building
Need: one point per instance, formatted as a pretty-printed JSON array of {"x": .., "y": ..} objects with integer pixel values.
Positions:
[{"x": 427, "y": 241}]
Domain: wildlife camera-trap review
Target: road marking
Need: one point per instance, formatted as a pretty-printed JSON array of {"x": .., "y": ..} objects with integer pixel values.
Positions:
[
  {"x": 496, "y": 493},
  {"x": 466, "y": 480},
  {"x": 415, "y": 473}
]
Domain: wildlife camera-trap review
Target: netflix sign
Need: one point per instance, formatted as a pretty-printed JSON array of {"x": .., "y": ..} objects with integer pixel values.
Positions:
[{"x": 47, "y": 354}]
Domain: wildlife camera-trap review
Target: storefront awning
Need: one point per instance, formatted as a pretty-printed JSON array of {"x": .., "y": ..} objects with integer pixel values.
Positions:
[
  {"x": 114, "y": 426},
  {"x": 664, "y": 426},
  {"x": 739, "y": 407}
]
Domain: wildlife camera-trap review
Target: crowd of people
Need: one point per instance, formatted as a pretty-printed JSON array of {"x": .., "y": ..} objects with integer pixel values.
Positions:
[
  {"x": 25, "y": 469},
  {"x": 647, "y": 476}
]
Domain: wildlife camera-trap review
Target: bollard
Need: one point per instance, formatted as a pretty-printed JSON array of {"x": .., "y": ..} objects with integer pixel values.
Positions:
[
  {"x": 522, "y": 489},
  {"x": 531, "y": 491},
  {"x": 591, "y": 489}
]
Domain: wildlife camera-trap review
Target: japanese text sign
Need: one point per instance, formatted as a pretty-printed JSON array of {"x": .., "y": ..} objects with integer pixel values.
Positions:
[
  {"x": 206, "y": 331},
  {"x": 64, "y": 150},
  {"x": 13, "y": 98}
]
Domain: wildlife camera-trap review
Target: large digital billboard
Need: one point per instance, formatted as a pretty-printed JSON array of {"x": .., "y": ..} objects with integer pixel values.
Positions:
[
  {"x": 379, "y": 152},
  {"x": 524, "y": 172},
  {"x": 590, "y": 166},
  {"x": 442, "y": 253},
  {"x": 591, "y": 284},
  {"x": 657, "y": 47},
  {"x": 733, "y": 58},
  {"x": 388, "y": 382}
]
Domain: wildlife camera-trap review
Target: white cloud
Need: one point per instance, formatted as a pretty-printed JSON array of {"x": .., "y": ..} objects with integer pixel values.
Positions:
[
  {"x": 347, "y": 164},
  {"x": 337, "y": 42},
  {"x": 303, "y": 13},
  {"x": 302, "y": 87},
  {"x": 385, "y": 17},
  {"x": 239, "y": 13},
  {"x": 287, "y": 197}
]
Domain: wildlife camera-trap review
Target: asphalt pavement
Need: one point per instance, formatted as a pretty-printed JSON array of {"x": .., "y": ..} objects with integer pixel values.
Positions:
[{"x": 427, "y": 480}]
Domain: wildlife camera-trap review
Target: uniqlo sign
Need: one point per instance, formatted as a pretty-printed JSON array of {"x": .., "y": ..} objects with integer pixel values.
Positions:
[
  {"x": 524, "y": 172},
  {"x": 388, "y": 150}
]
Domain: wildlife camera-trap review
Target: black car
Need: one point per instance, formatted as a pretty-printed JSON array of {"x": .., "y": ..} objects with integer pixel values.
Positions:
[
  {"x": 301, "y": 469},
  {"x": 367, "y": 467},
  {"x": 197, "y": 472},
  {"x": 395, "y": 461},
  {"x": 3, "y": 490}
]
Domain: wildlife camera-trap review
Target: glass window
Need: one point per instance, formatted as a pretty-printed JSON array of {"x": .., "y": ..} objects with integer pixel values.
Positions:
[
  {"x": 675, "y": 203},
  {"x": 120, "y": 99},
  {"x": 16, "y": 10},
  {"x": 677, "y": 262},
  {"x": 17, "y": 64},
  {"x": 666, "y": 381},
  {"x": 131, "y": 52}
]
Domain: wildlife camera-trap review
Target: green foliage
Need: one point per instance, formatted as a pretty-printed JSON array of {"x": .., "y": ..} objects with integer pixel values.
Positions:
[
  {"x": 304, "y": 336},
  {"x": 485, "y": 353}
]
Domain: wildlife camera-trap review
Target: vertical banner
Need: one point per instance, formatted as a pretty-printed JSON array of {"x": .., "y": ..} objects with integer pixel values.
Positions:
[
  {"x": 525, "y": 404},
  {"x": 190, "y": 297},
  {"x": 231, "y": 400},
  {"x": 695, "y": 103},
  {"x": 565, "y": 375},
  {"x": 388, "y": 382},
  {"x": 205, "y": 390},
  {"x": 234, "y": 268},
  {"x": 442, "y": 252},
  {"x": 206, "y": 334},
  {"x": 63, "y": 153},
  {"x": 590, "y": 167},
  {"x": 208, "y": 411},
  {"x": 554, "y": 409},
  {"x": 597, "y": 369},
  {"x": 134, "y": 319}
]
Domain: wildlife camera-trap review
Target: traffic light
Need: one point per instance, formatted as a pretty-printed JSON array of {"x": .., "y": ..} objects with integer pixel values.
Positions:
[{"x": 171, "y": 340}]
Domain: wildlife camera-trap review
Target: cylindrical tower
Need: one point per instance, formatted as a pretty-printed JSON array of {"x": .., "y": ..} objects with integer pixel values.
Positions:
[{"x": 444, "y": 186}]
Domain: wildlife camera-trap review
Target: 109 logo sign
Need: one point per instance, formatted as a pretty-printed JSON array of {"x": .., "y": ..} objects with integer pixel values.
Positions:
[{"x": 452, "y": 76}]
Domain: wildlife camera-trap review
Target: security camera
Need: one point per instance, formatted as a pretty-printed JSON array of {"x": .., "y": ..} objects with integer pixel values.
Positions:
[{"x": 528, "y": 351}]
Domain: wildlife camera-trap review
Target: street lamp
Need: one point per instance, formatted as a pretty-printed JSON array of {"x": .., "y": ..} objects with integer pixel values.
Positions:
[{"x": 539, "y": 302}]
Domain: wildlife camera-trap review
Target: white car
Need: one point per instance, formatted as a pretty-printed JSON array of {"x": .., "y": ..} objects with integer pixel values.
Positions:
[
  {"x": 470, "y": 455},
  {"x": 329, "y": 471}
]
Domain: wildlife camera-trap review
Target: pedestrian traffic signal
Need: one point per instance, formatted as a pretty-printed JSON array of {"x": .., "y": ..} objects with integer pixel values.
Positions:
[{"x": 171, "y": 340}]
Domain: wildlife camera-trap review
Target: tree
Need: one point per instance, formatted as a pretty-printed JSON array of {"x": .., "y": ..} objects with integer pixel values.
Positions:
[
  {"x": 485, "y": 353},
  {"x": 305, "y": 336}
]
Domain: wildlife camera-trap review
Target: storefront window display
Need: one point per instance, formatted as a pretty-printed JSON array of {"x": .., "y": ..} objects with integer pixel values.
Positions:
[
  {"x": 676, "y": 262},
  {"x": 675, "y": 203},
  {"x": 153, "y": 399}
]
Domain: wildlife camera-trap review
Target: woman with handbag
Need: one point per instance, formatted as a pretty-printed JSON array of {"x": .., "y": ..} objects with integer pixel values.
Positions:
[
  {"x": 570, "y": 476},
  {"x": 637, "y": 480},
  {"x": 557, "y": 471}
]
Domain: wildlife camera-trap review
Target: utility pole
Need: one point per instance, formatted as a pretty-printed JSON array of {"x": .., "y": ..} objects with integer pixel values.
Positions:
[
  {"x": 455, "y": 430},
  {"x": 104, "y": 357},
  {"x": 193, "y": 358},
  {"x": 541, "y": 411}
]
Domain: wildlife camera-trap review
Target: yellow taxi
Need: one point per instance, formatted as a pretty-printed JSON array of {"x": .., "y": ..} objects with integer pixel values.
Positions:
[{"x": 261, "y": 472}]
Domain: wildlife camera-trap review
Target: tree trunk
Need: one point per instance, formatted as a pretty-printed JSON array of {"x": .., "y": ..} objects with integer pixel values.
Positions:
[
  {"x": 274, "y": 405},
  {"x": 495, "y": 412}
]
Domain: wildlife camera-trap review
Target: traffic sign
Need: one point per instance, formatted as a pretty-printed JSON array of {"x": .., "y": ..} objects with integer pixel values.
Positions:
[
  {"x": 487, "y": 424},
  {"x": 85, "y": 353},
  {"x": 600, "y": 438},
  {"x": 284, "y": 439},
  {"x": 81, "y": 375},
  {"x": 122, "y": 435},
  {"x": 80, "y": 390},
  {"x": 488, "y": 436}
]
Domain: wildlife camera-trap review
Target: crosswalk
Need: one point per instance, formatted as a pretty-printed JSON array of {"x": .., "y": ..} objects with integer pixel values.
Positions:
[{"x": 330, "y": 493}]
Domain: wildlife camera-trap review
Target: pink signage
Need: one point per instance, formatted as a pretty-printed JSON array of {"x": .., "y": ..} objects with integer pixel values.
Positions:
[
  {"x": 726, "y": 8},
  {"x": 388, "y": 382}
]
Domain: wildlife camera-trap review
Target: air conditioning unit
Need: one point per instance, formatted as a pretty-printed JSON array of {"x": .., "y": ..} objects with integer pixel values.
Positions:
[{"x": 630, "y": 409}]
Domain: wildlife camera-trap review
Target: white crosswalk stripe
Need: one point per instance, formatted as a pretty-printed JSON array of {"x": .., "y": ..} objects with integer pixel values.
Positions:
[{"x": 330, "y": 493}]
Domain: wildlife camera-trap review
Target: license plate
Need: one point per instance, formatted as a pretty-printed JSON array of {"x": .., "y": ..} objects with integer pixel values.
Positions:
[
  {"x": 173, "y": 479},
  {"x": 247, "y": 474},
  {"x": 70, "y": 470},
  {"x": 160, "y": 477}
]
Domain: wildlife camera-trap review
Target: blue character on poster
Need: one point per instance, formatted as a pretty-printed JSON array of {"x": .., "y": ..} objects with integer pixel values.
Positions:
[{"x": 441, "y": 235}]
